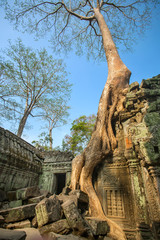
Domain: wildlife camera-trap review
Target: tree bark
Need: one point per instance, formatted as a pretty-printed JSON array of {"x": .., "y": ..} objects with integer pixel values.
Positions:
[
  {"x": 22, "y": 123},
  {"x": 50, "y": 139},
  {"x": 103, "y": 140}
]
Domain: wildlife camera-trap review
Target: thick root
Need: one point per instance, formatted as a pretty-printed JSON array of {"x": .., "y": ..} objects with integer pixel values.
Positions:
[{"x": 77, "y": 164}]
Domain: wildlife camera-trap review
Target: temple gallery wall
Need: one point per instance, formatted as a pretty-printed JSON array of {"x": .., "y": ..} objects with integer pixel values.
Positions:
[{"x": 127, "y": 182}]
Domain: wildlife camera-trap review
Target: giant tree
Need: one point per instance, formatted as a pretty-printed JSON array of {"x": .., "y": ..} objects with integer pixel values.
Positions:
[
  {"x": 94, "y": 26},
  {"x": 30, "y": 79}
]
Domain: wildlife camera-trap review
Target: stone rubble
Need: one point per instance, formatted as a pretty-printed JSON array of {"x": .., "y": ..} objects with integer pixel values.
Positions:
[
  {"x": 48, "y": 210},
  {"x": 55, "y": 217},
  {"x": 6, "y": 234}
]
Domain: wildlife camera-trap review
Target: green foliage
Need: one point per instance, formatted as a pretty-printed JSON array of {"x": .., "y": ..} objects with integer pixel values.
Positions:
[
  {"x": 81, "y": 132},
  {"x": 29, "y": 80}
]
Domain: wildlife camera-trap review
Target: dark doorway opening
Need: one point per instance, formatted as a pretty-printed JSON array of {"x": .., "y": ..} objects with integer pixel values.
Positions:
[{"x": 61, "y": 181}]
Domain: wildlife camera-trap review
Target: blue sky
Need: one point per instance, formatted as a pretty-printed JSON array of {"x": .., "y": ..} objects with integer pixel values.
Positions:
[{"x": 89, "y": 77}]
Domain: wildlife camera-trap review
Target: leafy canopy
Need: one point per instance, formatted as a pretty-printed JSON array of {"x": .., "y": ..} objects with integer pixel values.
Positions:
[{"x": 81, "y": 132}]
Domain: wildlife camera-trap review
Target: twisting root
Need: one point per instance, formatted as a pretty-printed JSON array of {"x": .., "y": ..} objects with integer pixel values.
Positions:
[
  {"x": 102, "y": 142},
  {"x": 77, "y": 164}
]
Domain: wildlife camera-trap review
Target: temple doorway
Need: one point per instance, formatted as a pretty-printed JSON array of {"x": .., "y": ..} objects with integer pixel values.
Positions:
[{"x": 61, "y": 182}]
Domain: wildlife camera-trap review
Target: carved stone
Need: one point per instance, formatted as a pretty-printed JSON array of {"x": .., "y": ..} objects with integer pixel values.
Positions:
[{"x": 48, "y": 210}]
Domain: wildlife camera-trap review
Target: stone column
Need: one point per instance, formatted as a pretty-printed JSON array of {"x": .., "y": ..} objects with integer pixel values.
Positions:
[{"x": 139, "y": 199}]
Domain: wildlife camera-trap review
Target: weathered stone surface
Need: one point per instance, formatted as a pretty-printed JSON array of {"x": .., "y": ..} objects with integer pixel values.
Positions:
[
  {"x": 11, "y": 195},
  {"x": 63, "y": 198},
  {"x": 6, "y": 234},
  {"x": 74, "y": 218},
  {"x": 1, "y": 219},
  {"x": 28, "y": 192},
  {"x": 20, "y": 165},
  {"x": 133, "y": 86},
  {"x": 19, "y": 225},
  {"x": 32, "y": 234},
  {"x": 19, "y": 213},
  {"x": 98, "y": 226},
  {"x": 16, "y": 203},
  {"x": 3, "y": 195},
  {"x": 34, "y": 222},
  {"x": 54, "y": 236},
  {"x": 36, "y": 199},
  {"x": 82, "y": 196},
  {"x": 60, "y": 227},
  {"x": 45, "y": 193},
  {"x": 4, "y": 205},
  {"x": 66, "y": 190},
  {"x": 48, "y": 210}
]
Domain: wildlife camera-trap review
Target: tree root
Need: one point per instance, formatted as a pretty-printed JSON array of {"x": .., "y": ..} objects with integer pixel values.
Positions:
[{"x": 102, "y": 143}]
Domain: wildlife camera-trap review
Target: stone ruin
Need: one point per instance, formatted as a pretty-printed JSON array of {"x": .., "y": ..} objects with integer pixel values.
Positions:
[{"x": 34, "y": 190}]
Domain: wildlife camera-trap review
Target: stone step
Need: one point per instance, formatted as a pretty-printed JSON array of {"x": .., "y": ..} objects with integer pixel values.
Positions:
[{"x": 19, "y": 213}]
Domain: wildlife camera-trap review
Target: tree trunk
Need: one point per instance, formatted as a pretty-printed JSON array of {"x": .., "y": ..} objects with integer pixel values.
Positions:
[
  {"x": 50, "y": 139},
  {"x": 22, "y": 123},
  {"x": 103, "y": 140}
]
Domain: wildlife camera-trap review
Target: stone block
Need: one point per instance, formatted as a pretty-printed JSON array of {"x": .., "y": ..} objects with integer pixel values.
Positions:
[
  {"x": 18, "y": 213},
  {"x": 74, "y": 218},
  {"x": 6, "y": 234},
  {"x": 66, "y": 190},
  {"x": 36, "y": 199},
  {"x": 133, "y": 86},
  {"x": 15, "y": 203},
  {"x": 45, "y": 193},
  {"x": 81, "y": 196},
  {"x": 19, "y": 225},
  {"x": 3, "y": 196},
  {"x": 63, "y": 198},
  {"x": 11, "y": 195},
  {"x": 4, "y": 205},
  {"x": 54, "y": 236},
  {"x": 32, "y": 234},
  {"x": 82, "y": 200},
  {"x": 98, "y": 226},
  {"x": 60, "y": 227},
  {"x": 48, "y": 210},
  {"x": 1, "y": 219},
  {"x": 25, "y": 193},
  {"x": 34, "y": 222}
]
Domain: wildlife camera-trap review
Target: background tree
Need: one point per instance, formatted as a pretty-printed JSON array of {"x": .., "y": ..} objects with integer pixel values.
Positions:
[
  {"x": 86, "y": 24},
  {"x": 55, "y": 113},
  {"x": 81, "y": 132},
  {"x": 30, "y": 80}
]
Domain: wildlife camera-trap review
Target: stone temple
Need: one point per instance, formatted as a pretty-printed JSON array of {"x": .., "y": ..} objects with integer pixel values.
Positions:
[{"x": 127, "y": 182}]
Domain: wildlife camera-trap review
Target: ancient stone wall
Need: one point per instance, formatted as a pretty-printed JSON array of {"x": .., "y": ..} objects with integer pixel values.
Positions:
[
  {"x": 20, "y": 165},
  {"x": 128, "y": 182}
]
